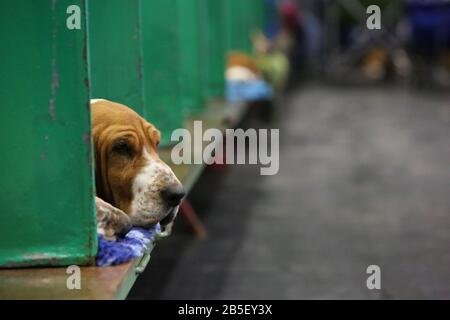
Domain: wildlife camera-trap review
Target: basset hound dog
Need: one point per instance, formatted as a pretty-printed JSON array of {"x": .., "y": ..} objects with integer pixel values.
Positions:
[{"x": 134, "y": 187}]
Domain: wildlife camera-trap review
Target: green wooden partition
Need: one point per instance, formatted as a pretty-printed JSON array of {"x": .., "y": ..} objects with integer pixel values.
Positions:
[
  {"x": 257, "y": 17},
  {"x": 191, "y": 62},
  {"x": 161, "y": 65},
  {"x": 236, "y": 28},
  {"x": 116, "y": 52},
  {"x": 242, "y": 18},
  {"x": 213, "y": 48},
  {"x": 46, "y": 203}
]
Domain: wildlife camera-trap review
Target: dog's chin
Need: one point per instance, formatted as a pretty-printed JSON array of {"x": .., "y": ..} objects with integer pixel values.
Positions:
[
  {"x": 144, "y": 221},
  {"x": 148, "y": 221}
]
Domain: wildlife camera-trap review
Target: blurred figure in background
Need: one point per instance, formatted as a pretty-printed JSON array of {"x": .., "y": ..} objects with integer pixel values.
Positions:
[
  {"x": 291, "y": 39},
  {"x": 430, "y": 40}
]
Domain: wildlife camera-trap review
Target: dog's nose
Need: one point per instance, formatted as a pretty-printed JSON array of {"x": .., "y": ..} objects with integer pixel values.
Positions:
[{"x": 172, "y": 195}]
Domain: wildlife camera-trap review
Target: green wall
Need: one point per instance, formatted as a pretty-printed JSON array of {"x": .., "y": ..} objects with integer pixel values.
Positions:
[
  {"x": 242, "y": 18},
  {"x": 191, "y": 73},
  {"x": 116, "y": 52},
  {"x": 161, "y": 55},
  {"x": 213, "y": 50}
]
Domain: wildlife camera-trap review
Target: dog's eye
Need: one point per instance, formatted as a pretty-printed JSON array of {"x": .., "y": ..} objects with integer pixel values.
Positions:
[{"x": 123, "y": 147}]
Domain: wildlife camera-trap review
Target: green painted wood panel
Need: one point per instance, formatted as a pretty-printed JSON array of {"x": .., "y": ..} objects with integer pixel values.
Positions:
[
  {"x": 259, "y": 14},
  {"x": 256, "y": 18},
  {"x": 213, "y": 48},
  {"x": 161, "y": 65},
  {"x": 242, "y": 18},
  {"x": 235, "y": 25},
  {"x": 116, "y": 52},
  {"x": 47, "y": 185},
  {"x": 248, "y": 18},
  {"x": 191, "y": 63}
]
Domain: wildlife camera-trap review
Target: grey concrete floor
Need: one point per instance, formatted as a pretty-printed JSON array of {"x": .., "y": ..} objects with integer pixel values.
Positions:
[{"x": 364, "y": 180}]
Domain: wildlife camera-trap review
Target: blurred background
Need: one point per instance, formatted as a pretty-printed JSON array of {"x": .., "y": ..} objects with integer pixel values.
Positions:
[
  {"x": 364, "y": 119},
  {"x": 362, "y": 102}
]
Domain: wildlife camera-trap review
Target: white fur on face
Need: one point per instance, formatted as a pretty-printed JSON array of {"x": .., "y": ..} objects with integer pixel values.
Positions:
[
  {"x": 147, "y": 206},
  {"x": 97, "y": 100}
]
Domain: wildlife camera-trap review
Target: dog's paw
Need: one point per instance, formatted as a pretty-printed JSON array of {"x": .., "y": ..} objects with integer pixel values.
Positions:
[{"x": 111, "y": 221}]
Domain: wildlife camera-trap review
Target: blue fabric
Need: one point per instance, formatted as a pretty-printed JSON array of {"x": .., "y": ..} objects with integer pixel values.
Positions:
[
  {"x": 248, "y": 91},
  {"x": 133, "y": 245}
]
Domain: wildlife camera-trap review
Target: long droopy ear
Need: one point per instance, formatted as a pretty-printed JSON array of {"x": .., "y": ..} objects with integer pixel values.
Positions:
[{"x": 102, "y": 185}]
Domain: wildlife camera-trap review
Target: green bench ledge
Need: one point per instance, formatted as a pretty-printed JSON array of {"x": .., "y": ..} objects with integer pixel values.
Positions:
[{"x": 115, "y": 282}]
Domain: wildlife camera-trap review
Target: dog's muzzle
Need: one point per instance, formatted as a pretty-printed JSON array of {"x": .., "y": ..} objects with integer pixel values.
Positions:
[{"x": 172, "y": 197}]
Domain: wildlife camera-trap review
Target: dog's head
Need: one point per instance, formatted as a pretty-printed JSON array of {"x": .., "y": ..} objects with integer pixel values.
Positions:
[{"x": 129, "y": 173}]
